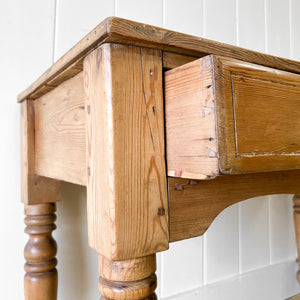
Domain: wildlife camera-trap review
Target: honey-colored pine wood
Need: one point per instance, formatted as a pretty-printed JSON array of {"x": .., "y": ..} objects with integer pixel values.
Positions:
[
  {"x": 296, "y": 201},
  {"x": 151, "y": 297},
  {"x": 34, "y": 189},
  {"x": 225, "y": 116},
  {"x": 104, "y": 128},
  {"x": 40, "y": 281},
  {"x": 194, "y": 204},
  {"x": 192, "y": 148},
  {"x": 256, "y": 109},
  {"x": 116, "y": 30},
  {"x": 175, "y": 60},
  {"x": 126, "y": 188},
  {"x": 129, "y": 279},
  {"x": 127, "y": 270},
  {"x": 60, "y": 124},
  {"x": 60, "y": 132}
]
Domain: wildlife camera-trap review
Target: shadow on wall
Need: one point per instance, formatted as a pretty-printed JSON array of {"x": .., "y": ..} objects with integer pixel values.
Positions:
[{"x": 77, "y": 263}]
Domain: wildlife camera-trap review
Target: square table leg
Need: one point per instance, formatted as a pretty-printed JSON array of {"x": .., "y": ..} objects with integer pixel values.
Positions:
[
  {"x": 39, "y": 195},
  {"x": 126, "y": 186}
]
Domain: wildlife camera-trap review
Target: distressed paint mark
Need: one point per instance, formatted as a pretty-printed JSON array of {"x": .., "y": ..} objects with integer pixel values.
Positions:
[
  {"x": 211, "y": 153},
  {"x": 208, "y": 110},
  {"x": 227, "y": 172},
  {"x": 269, "y": 154},
  {"x": 178, "y": 173},
  {"x": 210, "y": 139}
]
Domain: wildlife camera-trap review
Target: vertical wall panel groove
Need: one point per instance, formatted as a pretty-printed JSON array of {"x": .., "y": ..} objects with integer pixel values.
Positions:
[
  {"x": 220, "y": 20},
  {"x": 277, "y": 13},
  {"x": 282, "y": 229},
  {"x": 149, "y": 12},
  {"x": 266, "y": 27},
  {"x": 54, "y": 31},
  {"x": 237, "y": 22},
  {"x": 295, "y": 29},
  {"x": 76, "y": 18},
  {"x": 184, "y": 259},
  {"x": 282, "y": 239},
  {"x": 269, "y": 199},
  {"x": 26, "y": 39},
  {"x": 221, "y": 242},
  {"x": 180, "y": 17},
  {"x": 290, "y": 28},
  {"x": 254, "y": 235}
]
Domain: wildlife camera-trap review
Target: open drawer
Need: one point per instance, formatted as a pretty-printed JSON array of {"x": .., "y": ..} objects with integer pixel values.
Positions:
[{"x": 225, "y": 116}]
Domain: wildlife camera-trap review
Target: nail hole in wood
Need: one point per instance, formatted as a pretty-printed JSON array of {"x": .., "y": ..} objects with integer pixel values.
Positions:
[
  {"x": 89, "y": 109},
  {"x": 192, "y": 182},
  {"x": 160, "y": 211},
  {"x": 154, "y": 109},
  {"x": 178, "y": 187}
]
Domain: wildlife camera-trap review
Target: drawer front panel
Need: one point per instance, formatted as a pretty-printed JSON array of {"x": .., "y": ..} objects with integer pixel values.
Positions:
[
  {"x": 260, "y": 115},
  {"x": 225, "y": 116}
]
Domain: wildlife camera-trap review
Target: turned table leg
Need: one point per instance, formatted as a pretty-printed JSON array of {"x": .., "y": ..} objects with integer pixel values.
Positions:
[
  {"x": 128, "y": 279},
  {"x": 40, "y": 281}
]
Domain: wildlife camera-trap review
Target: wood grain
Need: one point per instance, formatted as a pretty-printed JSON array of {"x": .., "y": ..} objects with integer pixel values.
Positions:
[
  {"x": 225, "y": 116},
  {"x": 174, "y": 60},
  {"x": 116, "y": 30},
  {"x": 258, "y": 133},
  {"x": 194, "y": 204},
  {"x": 127, "y": 270},
  {"x": 60, "y": 124},
  {"x": 127, "y": 194},
  {"x": 40, "y": 253},
  {"x": 136, "y": 290},
  {"x": 127, "y": 279},
  {"x": 192, "y": 149},
  {"x": 34, "y": 189},
  {"x": 256, "y": 109},
  {"x": 60, "y": 132}
]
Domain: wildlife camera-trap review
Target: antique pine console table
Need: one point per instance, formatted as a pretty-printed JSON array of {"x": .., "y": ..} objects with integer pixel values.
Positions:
[{"x": 165, "y": 130}]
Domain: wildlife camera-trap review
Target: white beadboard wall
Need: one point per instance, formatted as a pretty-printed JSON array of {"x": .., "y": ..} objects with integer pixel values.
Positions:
[{"x": 249, "y": 251}]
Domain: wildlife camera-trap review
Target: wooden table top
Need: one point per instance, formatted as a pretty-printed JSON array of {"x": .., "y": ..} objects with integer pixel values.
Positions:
[{"x": 117, "y": 30}]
